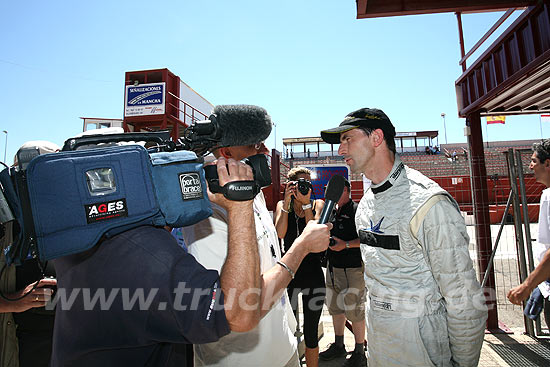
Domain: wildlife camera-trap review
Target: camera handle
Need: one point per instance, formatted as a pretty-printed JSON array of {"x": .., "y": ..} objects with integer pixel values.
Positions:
[{"x": 235, "y": 190}]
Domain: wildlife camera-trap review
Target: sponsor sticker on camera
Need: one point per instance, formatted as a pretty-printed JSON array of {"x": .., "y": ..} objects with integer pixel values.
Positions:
[
  {"x": 106, "y": 210},
  {"x": 190, "y": 184}
]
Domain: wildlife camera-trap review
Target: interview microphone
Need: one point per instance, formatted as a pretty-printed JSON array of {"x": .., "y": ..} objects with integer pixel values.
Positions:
[
  {"x": 242, "y": 124},
  {"x": 335, "y": 188}
]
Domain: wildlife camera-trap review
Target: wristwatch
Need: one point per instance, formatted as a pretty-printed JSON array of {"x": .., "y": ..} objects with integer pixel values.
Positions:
[
  {"x": 308, "y": 206},
  {"x": 347, "y": 244}
]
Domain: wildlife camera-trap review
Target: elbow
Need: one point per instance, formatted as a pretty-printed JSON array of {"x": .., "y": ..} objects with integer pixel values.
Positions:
[{"x": 244, "y": 322}]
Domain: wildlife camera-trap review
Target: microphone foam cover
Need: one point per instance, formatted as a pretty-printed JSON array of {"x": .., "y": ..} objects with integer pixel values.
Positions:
[
  {"x": 335, "y": 188},
  {"x": 242, "y": 124}
]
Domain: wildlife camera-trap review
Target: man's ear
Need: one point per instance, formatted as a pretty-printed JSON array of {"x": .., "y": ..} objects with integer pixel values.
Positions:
[
  {"x": 225, "y": 152},
  {"x": 377, "y": 137},
  {"x": 547, "y": 164}
]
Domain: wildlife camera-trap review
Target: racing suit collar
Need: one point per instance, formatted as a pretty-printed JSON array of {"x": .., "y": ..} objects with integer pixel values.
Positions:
[{"x": 394, "y": 174}]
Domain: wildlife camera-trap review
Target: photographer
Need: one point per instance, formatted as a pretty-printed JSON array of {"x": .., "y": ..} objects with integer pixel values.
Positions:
[
  {"x": 291, "y": 216},
  {"x": 170, "y": 298}
]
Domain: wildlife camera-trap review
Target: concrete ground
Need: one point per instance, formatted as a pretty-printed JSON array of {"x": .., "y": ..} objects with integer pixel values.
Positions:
[{"x": 512, "y": 347}]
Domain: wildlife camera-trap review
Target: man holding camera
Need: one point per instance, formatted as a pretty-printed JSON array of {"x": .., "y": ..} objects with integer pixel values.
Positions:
[
  {"x": 136, "y": 298},
  {"x": 272, "y": 342}
]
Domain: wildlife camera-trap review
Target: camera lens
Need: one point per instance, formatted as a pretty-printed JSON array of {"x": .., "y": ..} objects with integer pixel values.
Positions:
[{"x": 303, "y": 186}]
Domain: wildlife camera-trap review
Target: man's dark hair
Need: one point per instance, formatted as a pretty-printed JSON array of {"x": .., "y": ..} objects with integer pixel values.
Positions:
[
  {"x": 542, "y": 150},
  {"x": 389, "y": 142}
]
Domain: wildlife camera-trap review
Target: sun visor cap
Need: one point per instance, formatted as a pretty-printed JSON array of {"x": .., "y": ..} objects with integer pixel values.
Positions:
[{"x": 365, "y": 117}]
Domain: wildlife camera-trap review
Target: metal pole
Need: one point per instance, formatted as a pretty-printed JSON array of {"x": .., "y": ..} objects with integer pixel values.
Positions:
[
  {"x": 540, "y": 123},
  {"x": 461, "y": 39},
  {"x": 525, "y": 212},
  {"x": 490, "y": 265},
  {"x": 519, "y": 233},
  {"x": 5, "y": 145},
  {"x": 444, "y": 126},
  {"x": 275, "y": 131}
]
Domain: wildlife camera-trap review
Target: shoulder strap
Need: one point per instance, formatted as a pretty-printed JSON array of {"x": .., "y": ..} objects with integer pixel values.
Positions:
[{"x": 420, "y": 214}]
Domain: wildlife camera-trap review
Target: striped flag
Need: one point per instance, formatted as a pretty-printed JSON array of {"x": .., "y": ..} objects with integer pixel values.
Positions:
[
  {"x": 496, "y": 119},
  {"x": 545, "y": 118}
]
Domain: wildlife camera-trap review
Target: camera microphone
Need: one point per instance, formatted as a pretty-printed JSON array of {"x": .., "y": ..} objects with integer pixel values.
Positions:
[
  {"x": 242, "y": 124},
  {"x": 335, "y": 188},
  {"x": 228, "y": 126}
]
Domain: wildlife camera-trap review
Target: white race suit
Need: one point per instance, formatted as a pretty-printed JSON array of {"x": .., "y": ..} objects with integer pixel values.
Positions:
[{"x": 425, "y": 305}]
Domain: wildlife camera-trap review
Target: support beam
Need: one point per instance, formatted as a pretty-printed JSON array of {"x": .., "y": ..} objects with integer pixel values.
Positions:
[
  {"x": 481, "y": 212},
  {"x": 275, "y": 179}
]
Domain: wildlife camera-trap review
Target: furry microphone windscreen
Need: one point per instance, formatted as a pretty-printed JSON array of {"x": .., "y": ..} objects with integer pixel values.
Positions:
[{"x": 242, "y": 124}]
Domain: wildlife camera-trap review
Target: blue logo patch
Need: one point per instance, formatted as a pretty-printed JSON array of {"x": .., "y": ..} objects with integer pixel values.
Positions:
[{"x": 376, "y": 228}]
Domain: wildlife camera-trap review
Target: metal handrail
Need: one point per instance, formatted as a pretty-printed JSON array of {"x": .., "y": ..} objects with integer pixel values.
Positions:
[
  {"x": 193, "y": 118},
  {"x": 185, "y": 104}
]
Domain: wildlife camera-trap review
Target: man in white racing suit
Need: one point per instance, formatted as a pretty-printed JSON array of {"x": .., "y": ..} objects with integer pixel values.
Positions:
[{"x": 425, "y": 305}]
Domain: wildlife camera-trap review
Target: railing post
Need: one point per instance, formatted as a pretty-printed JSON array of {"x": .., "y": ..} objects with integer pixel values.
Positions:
[{"x": 520, "y": 246}]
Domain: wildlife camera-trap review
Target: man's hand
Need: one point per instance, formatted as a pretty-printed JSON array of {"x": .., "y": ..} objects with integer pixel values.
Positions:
[
  {"x": 37, "y": 298},
  {"x": 315, "y": 237},
  {"x": 518, "y": 294},
  {"x": 230, "y": 170},
  {"x": 339, "y": 244}
]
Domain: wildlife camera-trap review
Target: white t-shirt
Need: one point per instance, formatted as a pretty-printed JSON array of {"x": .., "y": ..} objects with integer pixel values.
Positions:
[
  {"x": 272, "y": 342},
  {"x": 544, "y": 235}
]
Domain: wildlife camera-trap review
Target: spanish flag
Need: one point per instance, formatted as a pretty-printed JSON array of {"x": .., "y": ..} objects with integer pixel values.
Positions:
[{"x": 496, "y": 119}]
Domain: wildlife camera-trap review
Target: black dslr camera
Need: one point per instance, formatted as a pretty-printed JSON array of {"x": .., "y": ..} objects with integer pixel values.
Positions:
[{"x": 303, "y": 186}]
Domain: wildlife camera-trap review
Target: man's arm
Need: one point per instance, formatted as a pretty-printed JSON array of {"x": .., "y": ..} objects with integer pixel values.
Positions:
[
  {"x": 445, "y": 241},
  {"x": 314, "y": 238},
  {"x": 240, "y": 275},
  {"x": 340, "y": 244},
  {"x": 540, "y": 274}
]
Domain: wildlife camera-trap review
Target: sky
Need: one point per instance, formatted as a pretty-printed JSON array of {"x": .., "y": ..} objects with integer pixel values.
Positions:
[{"x": 308, "y": 63}]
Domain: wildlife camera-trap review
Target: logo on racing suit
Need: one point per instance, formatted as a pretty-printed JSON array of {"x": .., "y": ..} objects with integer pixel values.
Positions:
[
  {"x": 376, "y": 228},
  {"x": 386, "y": 306},
  {"x": 397, "y": 172},
  {"x": 375, "y": 237}
]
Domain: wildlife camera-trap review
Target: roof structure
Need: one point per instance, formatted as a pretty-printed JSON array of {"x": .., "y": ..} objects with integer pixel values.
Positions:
[
  {"x": 513, "y": 75},
  {"x": 390, "y": 8}
]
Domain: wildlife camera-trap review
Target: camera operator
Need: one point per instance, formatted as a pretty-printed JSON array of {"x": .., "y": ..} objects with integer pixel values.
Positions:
[
  {"x": 170, "y": 298},
  {"x": 272, "y": 342},
  {"x": 292, "y": 213},
  {"x": 27, "y": 328}
]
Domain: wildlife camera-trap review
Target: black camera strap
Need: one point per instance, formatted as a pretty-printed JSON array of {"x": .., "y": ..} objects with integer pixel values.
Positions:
[
  {"x": 236, "y": 190},
  {"x": 241, "y": 190},
  {"x": 18, "y": 252}
]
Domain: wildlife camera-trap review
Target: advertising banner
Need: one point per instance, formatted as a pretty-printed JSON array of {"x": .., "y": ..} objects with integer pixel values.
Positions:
[
  {"x": 321, "y": 174},
  {"x": 144, "y": 99}
]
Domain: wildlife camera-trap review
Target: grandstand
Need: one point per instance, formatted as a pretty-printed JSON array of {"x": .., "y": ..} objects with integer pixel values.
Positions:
[{"x": 451, "y": 171}]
